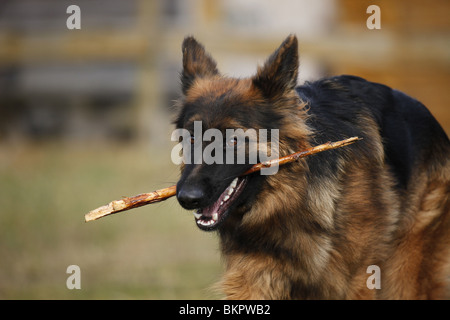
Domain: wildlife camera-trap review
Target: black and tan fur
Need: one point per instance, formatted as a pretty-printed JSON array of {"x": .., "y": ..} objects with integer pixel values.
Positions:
[{"x": 311, "y": 230}]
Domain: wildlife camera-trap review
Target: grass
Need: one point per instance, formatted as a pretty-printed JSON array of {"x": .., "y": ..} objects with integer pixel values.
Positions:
[{"x": 153, "y": 252}]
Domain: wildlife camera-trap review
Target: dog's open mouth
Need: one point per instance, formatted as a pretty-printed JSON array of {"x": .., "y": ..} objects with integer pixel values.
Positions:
[{"x": 209, "y": 218}]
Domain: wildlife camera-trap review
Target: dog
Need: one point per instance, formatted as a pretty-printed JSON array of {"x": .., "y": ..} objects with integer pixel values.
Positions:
[{"x": 366, "y": 221}]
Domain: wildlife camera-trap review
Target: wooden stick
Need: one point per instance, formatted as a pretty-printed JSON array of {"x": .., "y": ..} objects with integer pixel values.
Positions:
[
  {"x": 131, "y": 202},
  {"x": 163, "y": 194},
  {"x": 301, "y": 154}
]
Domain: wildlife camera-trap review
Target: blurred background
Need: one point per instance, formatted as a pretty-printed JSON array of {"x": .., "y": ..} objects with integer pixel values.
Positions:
[{"x": 85, "y": 118}]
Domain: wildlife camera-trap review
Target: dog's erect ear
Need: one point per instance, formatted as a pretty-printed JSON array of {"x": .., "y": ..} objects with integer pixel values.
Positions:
[
  {"x": 196, "y": 63},
  {"x": 280, "y": 71}
]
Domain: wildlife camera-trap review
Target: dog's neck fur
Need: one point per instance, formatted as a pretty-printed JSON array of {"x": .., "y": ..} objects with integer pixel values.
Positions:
[{"x": 267, "y": 232}]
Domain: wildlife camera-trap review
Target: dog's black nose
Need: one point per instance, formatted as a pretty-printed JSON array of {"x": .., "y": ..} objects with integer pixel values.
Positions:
[{"x": 190, "y": 197}]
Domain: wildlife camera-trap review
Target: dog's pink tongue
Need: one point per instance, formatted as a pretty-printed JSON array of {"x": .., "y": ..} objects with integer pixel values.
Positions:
[{"x": 208, "y": 211}]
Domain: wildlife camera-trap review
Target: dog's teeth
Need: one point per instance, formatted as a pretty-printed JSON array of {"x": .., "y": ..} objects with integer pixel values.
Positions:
[
  {"x": 215, "y": 216},
  {"x": 230, "y": 191},
  {"x": 234, "y": 183},
  {"x": 208, "y": 222},
  {"x": 197, "y": 215},
  {"x": 226, "y": 198},
  {"x": 221, "y": 202}
]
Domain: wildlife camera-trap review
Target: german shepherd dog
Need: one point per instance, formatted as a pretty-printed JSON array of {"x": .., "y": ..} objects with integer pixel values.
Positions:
[{"x": 313, "y": 229}]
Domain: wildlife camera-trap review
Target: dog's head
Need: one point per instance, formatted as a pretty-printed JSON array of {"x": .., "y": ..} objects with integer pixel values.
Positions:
[{"x": 214, "y": 187}]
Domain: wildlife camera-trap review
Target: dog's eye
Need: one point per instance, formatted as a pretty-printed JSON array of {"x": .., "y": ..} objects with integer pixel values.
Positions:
[
  {"x": 192, "y": 140},
  {"x": 231, "y": 143}
]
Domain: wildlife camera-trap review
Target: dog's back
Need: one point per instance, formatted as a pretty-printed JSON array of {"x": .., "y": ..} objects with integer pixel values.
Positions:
[{"x": 411, "y": 135}]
